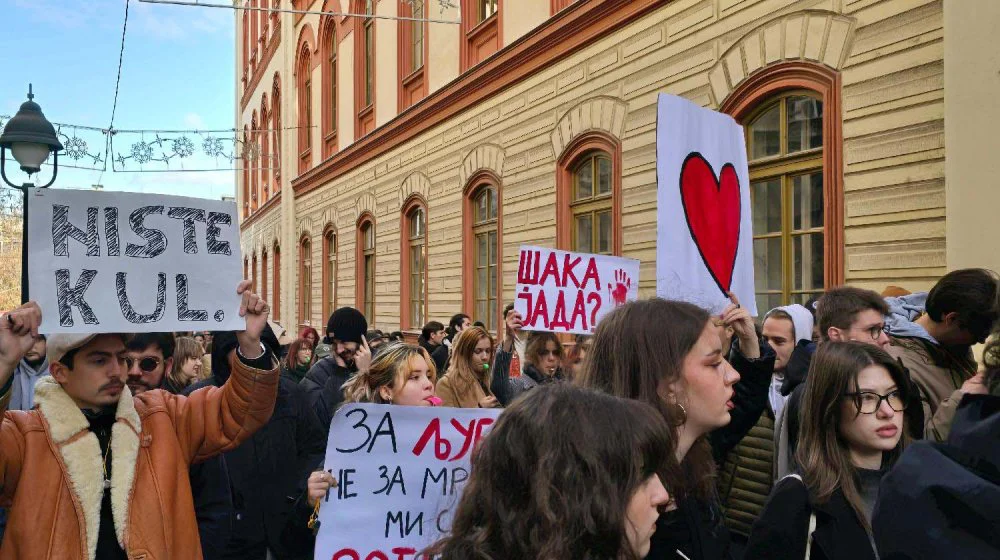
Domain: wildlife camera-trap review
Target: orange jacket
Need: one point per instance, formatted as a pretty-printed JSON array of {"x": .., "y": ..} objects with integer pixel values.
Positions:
[{"x": 52, "y": 480}]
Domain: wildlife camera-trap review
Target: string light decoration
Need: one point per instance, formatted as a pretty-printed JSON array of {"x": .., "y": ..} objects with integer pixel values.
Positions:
[
  {"x": 242, "y": 5},
  {"x": 84, "y": 147}
]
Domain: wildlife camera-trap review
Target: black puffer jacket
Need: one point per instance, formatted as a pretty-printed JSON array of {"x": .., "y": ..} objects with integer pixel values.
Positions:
[
  {"x": 269, "y": 471},
  {"x": 323, "y": 391}
]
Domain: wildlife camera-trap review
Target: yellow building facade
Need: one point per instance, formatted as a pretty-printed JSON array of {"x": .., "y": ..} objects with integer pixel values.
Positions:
[{"x": 427, "y": 152}]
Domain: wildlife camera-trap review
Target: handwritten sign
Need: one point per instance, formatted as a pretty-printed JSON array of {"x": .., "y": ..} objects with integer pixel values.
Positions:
[
  {"x": 566, "y": 292},
  {"x": 704, "y": 240},
  {"x": 401, "y": 471},
  {"x": 130, "y": 262}
]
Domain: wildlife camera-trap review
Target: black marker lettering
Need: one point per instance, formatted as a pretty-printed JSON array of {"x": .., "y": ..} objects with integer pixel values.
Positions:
[
  {"x": 129, "y": 312},
  {"x": 216, "y": 247},
  {"x": 111, "y": 231},
  {"x": 189, "y": 217},
  {"x": 68, "y": 297},
  {"x": 156, "y": 242},
  {"x": 62, "y": 230},
  {"x": 183, "y": 313}
]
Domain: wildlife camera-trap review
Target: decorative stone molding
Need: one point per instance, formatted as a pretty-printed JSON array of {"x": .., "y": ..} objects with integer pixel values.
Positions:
[
  {"x": 605, "y": 114},
  {"x": 365, "y": 203},
  {"x": 488, "y": 157},
  {"x": 415, "y": 183},
  {"x": 817, "y": 36},
  {"x": 304, "y": 226}
]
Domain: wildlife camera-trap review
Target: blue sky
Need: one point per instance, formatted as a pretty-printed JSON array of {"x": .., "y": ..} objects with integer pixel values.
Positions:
[{"x": 177, "y": 73}]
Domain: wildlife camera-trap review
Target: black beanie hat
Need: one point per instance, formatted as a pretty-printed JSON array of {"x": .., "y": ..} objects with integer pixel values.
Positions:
[{"x": 347, "y": 325}]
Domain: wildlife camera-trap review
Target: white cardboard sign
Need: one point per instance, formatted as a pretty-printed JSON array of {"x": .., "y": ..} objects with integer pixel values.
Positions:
[
  {"x": 566, "y": 292},
  {"x": 400, "y": 473},
  {"x": 103, "y": 262},
  {"x": 704, "y": 241}
]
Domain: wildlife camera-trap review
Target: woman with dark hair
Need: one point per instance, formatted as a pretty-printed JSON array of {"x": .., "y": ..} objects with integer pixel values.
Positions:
[
  {"x": 467, "y": 383},
  {"x": 669, "y": 354},
  {"x": 565, "y": 474},
  {"x": 852, "y": 432},
  {"x": 298, "y": 360}
]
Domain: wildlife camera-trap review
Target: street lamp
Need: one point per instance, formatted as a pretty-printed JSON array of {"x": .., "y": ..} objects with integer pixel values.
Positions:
[{"x": 30, "y": 137}]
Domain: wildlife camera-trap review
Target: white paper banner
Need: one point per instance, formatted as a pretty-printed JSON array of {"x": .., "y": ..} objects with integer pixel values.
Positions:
[
  {"x": 566, "y": 292},
  {"x": 103, "y": 262},
  {"x": 401, "y": 470},
  {"x": 704, "y": 241}
]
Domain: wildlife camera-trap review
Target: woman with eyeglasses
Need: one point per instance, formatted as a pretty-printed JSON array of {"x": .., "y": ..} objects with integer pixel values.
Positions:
[
  {"x": 467, "y": 382},
  {"x": 852, "y": 432}
]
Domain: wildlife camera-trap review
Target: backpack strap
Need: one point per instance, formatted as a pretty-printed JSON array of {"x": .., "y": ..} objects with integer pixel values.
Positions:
[{"x": 812, "y": 518}]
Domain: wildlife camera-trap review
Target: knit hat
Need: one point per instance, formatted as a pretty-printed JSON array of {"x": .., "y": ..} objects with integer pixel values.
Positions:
[{"x": 347, "y": 325}]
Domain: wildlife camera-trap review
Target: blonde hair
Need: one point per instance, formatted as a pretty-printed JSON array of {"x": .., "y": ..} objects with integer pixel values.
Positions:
[
  {"x": 461, "y": 370},
  {"x": 184, "y": 347},
  {"x": 391, "y": 364}
]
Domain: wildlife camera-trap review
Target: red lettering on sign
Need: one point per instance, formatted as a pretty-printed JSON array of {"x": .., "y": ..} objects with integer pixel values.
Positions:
[
  {"x": 346, "y": 554},
  {"x": 569, "y": 273},
  {"x": 559, "y": 313},
  {"x": 542, "y": 310},
  {"x": 579, "y": 312},
  {"x": 442, "y": 447},
  {"x": 524, "y": 270},
  {"x": 551, "y": 269},
  {"x": 591, "y": 274}
]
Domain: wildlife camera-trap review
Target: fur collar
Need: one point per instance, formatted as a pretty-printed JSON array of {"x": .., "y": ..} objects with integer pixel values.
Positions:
[{"x": 81, "y": 455}]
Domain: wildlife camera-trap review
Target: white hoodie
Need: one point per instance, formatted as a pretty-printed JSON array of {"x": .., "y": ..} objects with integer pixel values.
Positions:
[{"x": 802, "y": 329}]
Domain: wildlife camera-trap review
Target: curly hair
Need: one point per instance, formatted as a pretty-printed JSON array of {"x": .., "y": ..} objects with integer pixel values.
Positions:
[
  {"x": 389, "y": 367},
  {"x": 554, "y": 478}
]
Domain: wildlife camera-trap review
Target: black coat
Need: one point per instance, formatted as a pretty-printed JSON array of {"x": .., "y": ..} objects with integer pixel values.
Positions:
[
  {"x": 323, "y": 392},
  {"x": 697, "y": 527},
  {"x": 781, "y": 530},
  {"x": 269, "y": 471},
  {"x": 942, "y": 500}
]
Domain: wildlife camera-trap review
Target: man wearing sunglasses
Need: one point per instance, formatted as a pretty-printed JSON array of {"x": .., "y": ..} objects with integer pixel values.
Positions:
[
  {"x": 932, "y": 335},
  {"x": 148, "y": 358},
  {"x": 93, "y": 472}
]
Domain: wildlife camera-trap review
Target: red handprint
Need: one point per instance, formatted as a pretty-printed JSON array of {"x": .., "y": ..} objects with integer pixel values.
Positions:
[{"x": 620, "y": 288}]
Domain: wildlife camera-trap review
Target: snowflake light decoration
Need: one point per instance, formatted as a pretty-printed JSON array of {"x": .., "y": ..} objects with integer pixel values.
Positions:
[
  {"x": 183, "y": 147},
  {"x": 142, "y": 152}
]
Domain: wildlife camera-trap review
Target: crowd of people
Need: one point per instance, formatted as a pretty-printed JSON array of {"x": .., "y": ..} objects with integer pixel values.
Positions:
[{"x": 856, "y": 425}]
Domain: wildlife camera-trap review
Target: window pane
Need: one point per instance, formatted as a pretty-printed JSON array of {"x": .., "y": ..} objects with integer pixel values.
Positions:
[
  {"x": 805, "y": 123},
  {"x": 584, "y": 233},
  {"x": 807, "y": 251},
  {"x": 482, "y": 206},
  {"x": 417, "y": 36},
  {"x": 604, "y": 232},
  {"x": 482, "y": 284},
  {"x": 767, "y": 263},
  {"x": 765, "y": 134},
  {"x": 767, "y": 302},
  {"x": 585, "y": 180},
  {"x": 603, "y": 175},
  {"x": 766, "y": 202},
  {"x": 486, "y": 9},
  {"x": 333, "y": 90},
  {"x": 493, "y": 204},
  {"x": 483, "y": 251},
  {"x": 492, "y": 244},
  {"x": 417, "y": 224},
  {"x": 807, "y": 201},
  {"x": 369, "y": 39}
]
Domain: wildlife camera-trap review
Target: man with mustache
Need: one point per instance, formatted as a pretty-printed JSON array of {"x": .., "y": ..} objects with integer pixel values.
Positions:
[
  {"x": 349, "y": 353},
  {"x": 148, "y": 358},
  {"x": 94, "y": 473}
]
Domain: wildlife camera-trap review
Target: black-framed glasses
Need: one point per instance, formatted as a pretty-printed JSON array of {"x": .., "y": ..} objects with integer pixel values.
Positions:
[
  {"x": 146, "y": 365},
  {"x": 875, "y": 331},
  {"x": 868, "y": 402}
]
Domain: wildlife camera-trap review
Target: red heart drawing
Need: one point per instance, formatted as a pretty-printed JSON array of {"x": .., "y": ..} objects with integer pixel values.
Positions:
[{"x": 712, "y": 209}]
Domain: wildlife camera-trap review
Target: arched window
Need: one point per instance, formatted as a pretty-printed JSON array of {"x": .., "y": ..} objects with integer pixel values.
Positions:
[
  {"x": 413, "y": 298},
  {"x": 480, "y": 31},
  {"x": 589, "y": 194},
  {"x": 329, "y": 271},
  {"x": 792, "y": 117},
  {"x": 276, "y": 304},
  {"x": 245, "y": 161},
  {"x": 254, "y": 160},
  {"x": 364, "y": 48},
  {"x": 329, "y": 42},
  {"x": 265, "y": 150},
  {"x": 483, "y": 232},
  {"x": 303, "y": 77},
  {"x": 412, "y": 53},
  {"x": 365, "y": 294},
  {"x": 305, "y": 280},
  {"x": 263, "y": 275},
  {"x": 276, "y": 131},
  {"x": 253, "y": 274},
  {"x": 785, "y": 152}
]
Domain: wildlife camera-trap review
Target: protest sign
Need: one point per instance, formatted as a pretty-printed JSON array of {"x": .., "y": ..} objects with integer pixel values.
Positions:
[
  {"x": 704, "y": 241},
  {"x": 566, "y": 292},
  {"x": 400, "y": 473},
  {"x": 131, "y": 262}
]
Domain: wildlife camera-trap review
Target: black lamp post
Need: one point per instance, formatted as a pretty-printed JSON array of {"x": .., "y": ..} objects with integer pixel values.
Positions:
[{"x": 30, "y": 137}]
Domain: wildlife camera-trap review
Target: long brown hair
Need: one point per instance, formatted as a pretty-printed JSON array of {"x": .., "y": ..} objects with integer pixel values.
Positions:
[
  {"x": 390, "y": 364},
  {"x": 536, "y": 344},
  {"x": 292, "y": 358},
  {"x": 184, "y": 347},
  {"x": 554, "y": 478},
  {"x": 637, "y": 352},
  {"x": 822, "y": 453},
  {"x": 460, "y": 370}
]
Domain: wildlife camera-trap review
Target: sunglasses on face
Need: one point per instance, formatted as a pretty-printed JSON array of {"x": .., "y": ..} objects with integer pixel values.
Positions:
[
  {"x": 544, "y": 353},
  {"x": 869, "y": 402},
  {"x": 146, "y": 365}
]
